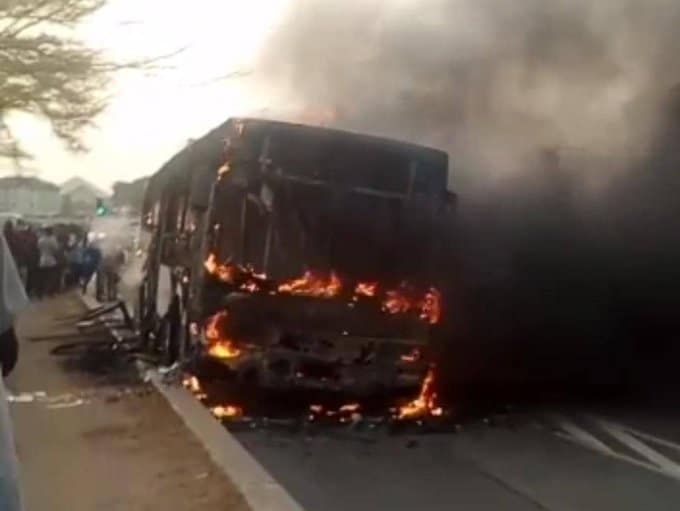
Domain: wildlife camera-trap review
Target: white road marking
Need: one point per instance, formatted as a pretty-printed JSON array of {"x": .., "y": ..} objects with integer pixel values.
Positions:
[
  {"x": 619, "y": 432},
  {"x": 581, "y": 436},
  {"x": 655, "y": 461},
  {"x": 652, "y": 438}
]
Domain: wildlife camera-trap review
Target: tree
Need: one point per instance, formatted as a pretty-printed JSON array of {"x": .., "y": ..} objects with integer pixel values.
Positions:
[{"x": 46, "y": 71}]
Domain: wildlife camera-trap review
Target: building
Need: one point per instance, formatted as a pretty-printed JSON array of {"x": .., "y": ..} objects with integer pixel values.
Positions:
[
  {"x": 29, "y": 196},
  {"x": 80, "y": 196}
]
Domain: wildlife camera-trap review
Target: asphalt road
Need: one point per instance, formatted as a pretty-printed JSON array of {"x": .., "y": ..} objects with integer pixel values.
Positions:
[{"x": 554, "y": 461}]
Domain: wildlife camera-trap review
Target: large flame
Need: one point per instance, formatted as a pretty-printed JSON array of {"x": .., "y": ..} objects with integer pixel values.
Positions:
[
  {"x": 313, "y": 285},
  {"x": 316, "y": 285},
  {"x": 426, "y": 402},
  {"x": 220, "y": 346}
]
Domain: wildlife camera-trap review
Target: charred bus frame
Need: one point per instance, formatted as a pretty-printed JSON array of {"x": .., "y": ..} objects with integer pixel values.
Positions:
[{"x": 279, "y": 199}]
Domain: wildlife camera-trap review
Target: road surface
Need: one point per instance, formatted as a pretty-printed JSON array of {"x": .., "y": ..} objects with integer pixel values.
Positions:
[{"x": 546, "y": 464}]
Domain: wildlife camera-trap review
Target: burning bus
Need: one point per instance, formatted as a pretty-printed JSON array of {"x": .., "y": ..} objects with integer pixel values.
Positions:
[{"x": 296, "y": 256}]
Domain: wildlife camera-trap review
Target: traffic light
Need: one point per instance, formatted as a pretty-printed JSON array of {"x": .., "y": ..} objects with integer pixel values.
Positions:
[{"x": 101, "y": 209}]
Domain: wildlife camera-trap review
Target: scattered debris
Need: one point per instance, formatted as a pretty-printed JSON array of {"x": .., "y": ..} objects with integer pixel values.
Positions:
[
  {"x": 26, "y": 397},
  {"x": 411, "y": 443},
  {"x": 72, "y": 404},
  {"x": 86, "y": 396}
]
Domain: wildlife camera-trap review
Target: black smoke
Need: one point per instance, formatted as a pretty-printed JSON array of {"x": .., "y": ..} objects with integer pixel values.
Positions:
[{"x": 562, "y": 121}]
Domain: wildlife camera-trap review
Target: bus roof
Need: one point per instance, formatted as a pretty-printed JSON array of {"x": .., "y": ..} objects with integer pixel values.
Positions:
[{"x": 209, "y": 149}]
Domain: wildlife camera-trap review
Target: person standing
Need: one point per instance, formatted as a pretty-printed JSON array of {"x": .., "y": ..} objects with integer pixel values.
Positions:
[
  {"x": 13, "y": 239},
  {"x": 32, "y": 259},
  {"x": 49, "y": 248},
  {"x": 92, "y": 256},
  {"x": 12, "y": 300},
  {"x": 76, "y": 260}
]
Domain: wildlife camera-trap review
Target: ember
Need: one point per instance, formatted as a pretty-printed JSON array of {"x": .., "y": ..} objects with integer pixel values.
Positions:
[
  {"x": 413, "y": 356},
  {"x": 425, "y": 404},
  {"x": 192, "y": 384},
  {"x": 366, "y": 289},
  {"x": 350, "y": 407},
  {"x": 250, "y": 287},
  {"x": 313, "y": 285},
  {"x": 227, "y": 411}
]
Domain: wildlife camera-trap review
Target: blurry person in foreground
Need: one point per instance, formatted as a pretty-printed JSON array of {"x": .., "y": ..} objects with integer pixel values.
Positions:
[{"x": 12, "y": 300}]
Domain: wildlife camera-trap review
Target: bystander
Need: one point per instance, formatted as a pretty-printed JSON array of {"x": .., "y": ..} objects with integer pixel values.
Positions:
[
  {"x": 12, "y": 300},
  {"x": 48, "y": 264}
]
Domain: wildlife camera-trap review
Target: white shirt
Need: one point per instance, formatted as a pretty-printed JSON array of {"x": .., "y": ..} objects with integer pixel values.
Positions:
[{"x": 48, "y": 247}]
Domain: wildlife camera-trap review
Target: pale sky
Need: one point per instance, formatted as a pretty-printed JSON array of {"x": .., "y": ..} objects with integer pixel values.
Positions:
[{"x": 151, "y": 117}]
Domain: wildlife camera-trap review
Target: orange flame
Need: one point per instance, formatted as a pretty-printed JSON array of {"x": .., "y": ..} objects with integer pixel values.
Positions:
[
  {"x": 220, "y": 346},
  {"x": 426, "y": 402},
  {"x": 227, "y": 411},
  {"x": 250, "y": 286},
  {"x": 192, "y": 384},
  {"x": 431, "y": 308},
  {"x": 224, "y": 272},
  {"x": 224, "y": 350},
  {"x": 366, "y": 289},
  {"x": 396, "y": 303},
  {"x": 313, "y": 285}
]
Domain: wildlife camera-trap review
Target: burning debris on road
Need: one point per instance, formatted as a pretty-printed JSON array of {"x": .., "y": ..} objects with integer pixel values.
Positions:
[{"x": 424, "y": 407}]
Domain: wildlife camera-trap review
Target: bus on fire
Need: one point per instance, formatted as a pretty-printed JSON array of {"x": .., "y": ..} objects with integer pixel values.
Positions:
[{"x": 295, "y": 256}]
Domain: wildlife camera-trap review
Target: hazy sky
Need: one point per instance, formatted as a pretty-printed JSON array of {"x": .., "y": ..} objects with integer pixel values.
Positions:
[{"x": 151, "y": 117}]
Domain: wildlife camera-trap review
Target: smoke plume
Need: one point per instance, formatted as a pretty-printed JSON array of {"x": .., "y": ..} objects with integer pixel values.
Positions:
[
  {"x": 557, "y": 250},
  {"x": 489, "y": 80}
]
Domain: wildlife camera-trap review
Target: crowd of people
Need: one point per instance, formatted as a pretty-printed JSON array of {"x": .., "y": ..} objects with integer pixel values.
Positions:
[{"x": 53, "y": 258}]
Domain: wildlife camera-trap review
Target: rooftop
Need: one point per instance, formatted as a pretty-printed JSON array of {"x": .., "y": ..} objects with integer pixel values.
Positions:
[{"x": 27, "y": 182}]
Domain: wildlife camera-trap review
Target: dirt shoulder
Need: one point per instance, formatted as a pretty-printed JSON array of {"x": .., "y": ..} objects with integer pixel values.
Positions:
[{"x": 101, "y": 440}]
